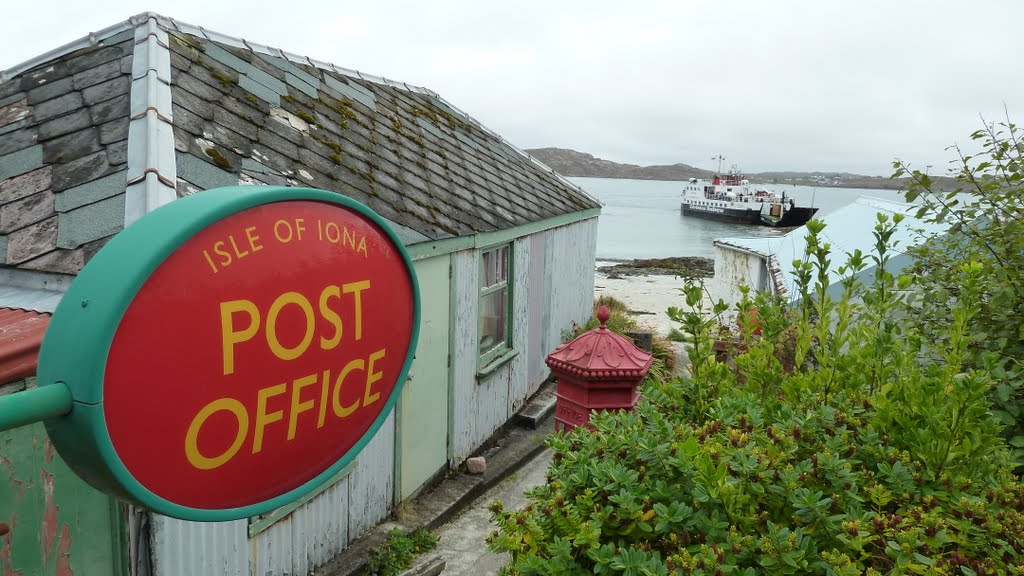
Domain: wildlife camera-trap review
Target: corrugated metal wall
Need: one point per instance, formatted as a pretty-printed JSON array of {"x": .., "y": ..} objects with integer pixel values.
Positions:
[
  {"x": 565, "y": 257},
  {"x": 305, "y": 539}
]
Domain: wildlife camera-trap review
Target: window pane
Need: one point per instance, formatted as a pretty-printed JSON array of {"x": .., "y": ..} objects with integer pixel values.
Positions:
[
  {"x": 487, "y": 270},
  {"x": 501, "y": 273},
  {"x": 492, "y": 319},
  {"x": 494, "y": 267}
]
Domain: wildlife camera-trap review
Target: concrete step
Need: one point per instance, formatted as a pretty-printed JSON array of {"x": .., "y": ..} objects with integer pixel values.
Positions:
[{"x": 538, "y": 407}]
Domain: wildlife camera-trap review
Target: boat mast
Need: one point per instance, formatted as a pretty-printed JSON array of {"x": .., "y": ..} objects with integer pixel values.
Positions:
[{"x": 719, "y": 158}]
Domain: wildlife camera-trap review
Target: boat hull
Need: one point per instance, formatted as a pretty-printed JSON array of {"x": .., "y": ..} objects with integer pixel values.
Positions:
[{"x": 722, "y": 214}]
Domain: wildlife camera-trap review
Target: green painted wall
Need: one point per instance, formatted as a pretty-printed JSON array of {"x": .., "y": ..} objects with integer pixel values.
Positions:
[
  {"x": 52, "y": 522},
  {"x": 422, "y": 441}
]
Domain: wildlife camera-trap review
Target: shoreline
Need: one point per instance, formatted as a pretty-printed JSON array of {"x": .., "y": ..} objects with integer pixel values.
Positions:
[{"x": 647, "y": 293}]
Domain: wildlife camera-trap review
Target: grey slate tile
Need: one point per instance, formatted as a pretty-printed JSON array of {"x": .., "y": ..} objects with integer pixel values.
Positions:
[
  {"x": 49, "y": 91},
  {"x": 94, "y": 58},
  {"x": 117, "y": 107},
  {"x": 259, "y": 90},
  {"x": 71, "y": 146},
  {"x": 234, "y": 123},
  {"x": 25, "y": 212},
  {"x": 283, "y": 130},
  {"x": 303, "y": 86},
  {"x": 91, "y": 222},
  {"x": 106, "y": 90},
  {"x": 349, "y": 91},
  {"x": 14, "y": 111},
  {"x": 32, "y": 241},
  {"x": 227, "y": 138},
  {"x": 65, "y": 124},
  {"x": 10, "y": 88},
  {"x": 17, "y": 140},
  {"x": 80, "y": 171},
  {"x": 203, "y": 174},
  {"x": 24, "y": 185},
  {"x": 94, "y": 76},
  {"x": 43, "y": 74},
  {"x": 117, "y": 153},
  {"x": 113, "y": 131},
  {"x": 91, "y": 192},
  {"x": 194, "y": 95},
  {"x": 273, "y": 140},
  {"x": 57, "y": 106},
  {"x": 20, "y": 162}
]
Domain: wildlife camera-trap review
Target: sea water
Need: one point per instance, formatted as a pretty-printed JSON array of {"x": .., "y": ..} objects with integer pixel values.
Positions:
[{"x": 641, "y": 218}]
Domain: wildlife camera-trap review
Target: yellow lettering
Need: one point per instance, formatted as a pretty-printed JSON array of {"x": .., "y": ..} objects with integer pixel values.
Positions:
[
  {"x": 362, "y": 246},
  {"x": 339, "y": 410},
  {"x": 350, "y": 238},
  {"x": 254, "y": 240},
  {"x": 218, "y": 249},
  {"x": 234, "y": 245},
  {"x": 299, "y": 407},
  {"x": 210, "y": 260},
  {"x": 325, "y": 385},
  {"x": 229, "y": 336},
  {"x": 371, "y": 378},
  {"x": 192, "y": 436},
  {"x": 262, "y": 417},
  {"x": 279, "y": 234},
  {"x": 357, "y": 289},
  {"x": 299, "y": 228},
  {"x": 275, "y": 309},
  {"x": 331, "y": 316},
  {"x": 337, "y": 233}
]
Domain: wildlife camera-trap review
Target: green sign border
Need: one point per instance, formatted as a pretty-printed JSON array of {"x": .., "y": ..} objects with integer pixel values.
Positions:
[{"x": 77, "y": 342}]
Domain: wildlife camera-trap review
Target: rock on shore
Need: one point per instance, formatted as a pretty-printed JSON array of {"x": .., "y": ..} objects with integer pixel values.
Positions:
[{"x": 684, "y": 266}]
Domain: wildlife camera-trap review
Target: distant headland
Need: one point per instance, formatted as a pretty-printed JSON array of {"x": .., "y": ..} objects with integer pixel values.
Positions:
[{"x": 573, "y": 163}]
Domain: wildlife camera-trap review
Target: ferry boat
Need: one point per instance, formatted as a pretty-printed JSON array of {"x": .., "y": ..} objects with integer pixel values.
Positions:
[{"x": 731, "y": 198}]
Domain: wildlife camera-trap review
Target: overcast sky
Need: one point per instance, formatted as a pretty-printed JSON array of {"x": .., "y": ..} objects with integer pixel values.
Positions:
[{"x": 771, "y": 85}]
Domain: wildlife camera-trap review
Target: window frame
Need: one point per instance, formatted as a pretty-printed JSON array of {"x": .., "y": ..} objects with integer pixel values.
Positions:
[{"x": 503, "y": 351}]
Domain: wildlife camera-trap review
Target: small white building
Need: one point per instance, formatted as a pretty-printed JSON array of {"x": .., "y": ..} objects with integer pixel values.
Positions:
[{"x": 766, "y": 264}]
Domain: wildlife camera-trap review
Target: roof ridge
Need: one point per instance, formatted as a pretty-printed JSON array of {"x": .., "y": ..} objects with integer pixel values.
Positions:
[{"x": 89, "y": 40}]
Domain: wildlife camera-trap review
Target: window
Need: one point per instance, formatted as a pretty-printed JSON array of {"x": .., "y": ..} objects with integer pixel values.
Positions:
[{"x": 495, "y": 304}]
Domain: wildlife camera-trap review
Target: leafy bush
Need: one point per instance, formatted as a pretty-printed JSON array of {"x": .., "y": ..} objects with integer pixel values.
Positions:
[
  {"x": 399, "y": 551},
  {"x": 840, "y": 441},
  {"x": 986, "y": 213}
]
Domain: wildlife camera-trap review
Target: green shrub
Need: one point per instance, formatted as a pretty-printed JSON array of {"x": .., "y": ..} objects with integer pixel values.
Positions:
[
  {"x": 399, "y": 551},
  {"x": 839, "y": 442}
]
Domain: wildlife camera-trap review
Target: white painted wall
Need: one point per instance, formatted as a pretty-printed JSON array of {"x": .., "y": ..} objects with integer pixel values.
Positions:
[{"x": 735, "y": 268}]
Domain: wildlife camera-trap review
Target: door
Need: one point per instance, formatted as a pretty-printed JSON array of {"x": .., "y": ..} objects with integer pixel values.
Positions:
[{"x": 423, "y": 409}]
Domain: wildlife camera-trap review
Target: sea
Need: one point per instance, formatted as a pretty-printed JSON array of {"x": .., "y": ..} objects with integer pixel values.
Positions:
[{"x": 641, "y": 218}]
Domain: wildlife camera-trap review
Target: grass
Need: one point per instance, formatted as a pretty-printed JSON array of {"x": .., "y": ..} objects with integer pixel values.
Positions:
[{"x": 399, "y": 550}]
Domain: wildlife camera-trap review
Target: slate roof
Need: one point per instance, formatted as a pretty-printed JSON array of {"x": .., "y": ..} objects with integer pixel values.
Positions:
[
  {"x": 238, "y": 112},
  {"x": 846, "y": 229}
]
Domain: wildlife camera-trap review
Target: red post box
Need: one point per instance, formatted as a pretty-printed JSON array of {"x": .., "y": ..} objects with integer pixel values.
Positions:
[{"x": 599, "y": 370}]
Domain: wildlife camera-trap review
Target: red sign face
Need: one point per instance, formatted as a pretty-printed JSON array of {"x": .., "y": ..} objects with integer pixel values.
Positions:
[{"x": 258, "y": 354}]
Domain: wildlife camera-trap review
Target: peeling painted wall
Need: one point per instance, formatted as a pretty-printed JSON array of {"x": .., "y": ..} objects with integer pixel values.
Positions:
[
  {"x": 543, "y": 307},
  {"x": 735, "y": 268},
  {"x": 52, "y": 522}
]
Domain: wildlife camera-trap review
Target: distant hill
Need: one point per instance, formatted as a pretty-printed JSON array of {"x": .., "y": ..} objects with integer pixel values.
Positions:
[{"x": 573, "y": 163}]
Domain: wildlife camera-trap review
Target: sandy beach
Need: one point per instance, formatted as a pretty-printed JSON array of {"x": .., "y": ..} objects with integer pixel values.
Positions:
[{"x": 647, "y": 296}]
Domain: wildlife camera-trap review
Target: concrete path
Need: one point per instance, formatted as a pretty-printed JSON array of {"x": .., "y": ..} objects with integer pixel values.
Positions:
[{"x": 463, "y": 544}]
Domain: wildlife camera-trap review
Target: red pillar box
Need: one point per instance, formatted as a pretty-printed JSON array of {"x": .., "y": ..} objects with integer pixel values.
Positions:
[{"x": 599, "y": 370}]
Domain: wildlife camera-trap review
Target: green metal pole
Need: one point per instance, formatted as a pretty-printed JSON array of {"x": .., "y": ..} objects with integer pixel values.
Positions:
[{"x": 34, "y": 405}]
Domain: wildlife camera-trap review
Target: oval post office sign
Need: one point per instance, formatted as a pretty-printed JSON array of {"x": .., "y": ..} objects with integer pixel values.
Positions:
[{"x": 233, "y": 350}]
